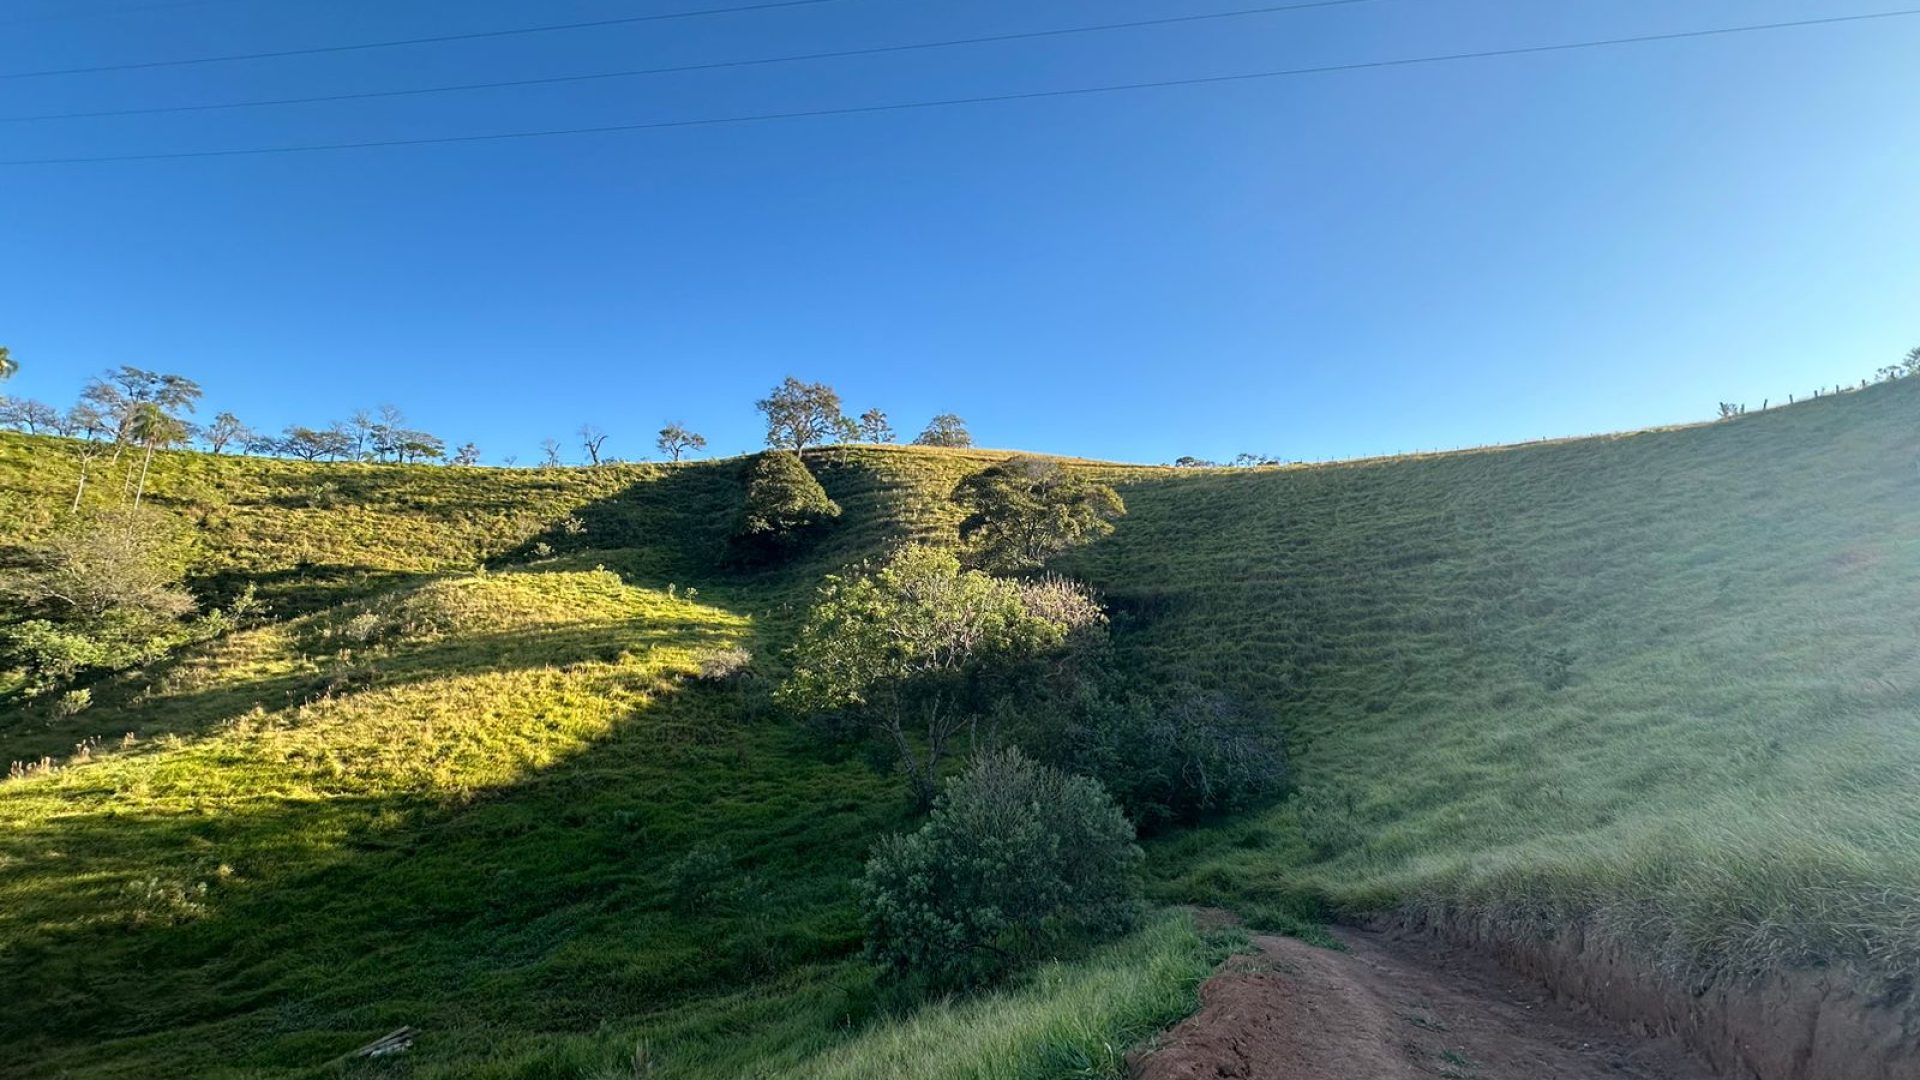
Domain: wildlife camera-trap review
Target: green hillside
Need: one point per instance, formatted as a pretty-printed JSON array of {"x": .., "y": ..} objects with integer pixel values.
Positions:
[{"x": 494, "y": 737}]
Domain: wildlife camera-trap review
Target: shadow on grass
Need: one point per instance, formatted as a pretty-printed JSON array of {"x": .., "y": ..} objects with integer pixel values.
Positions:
[{"x": 270, "y": 934}]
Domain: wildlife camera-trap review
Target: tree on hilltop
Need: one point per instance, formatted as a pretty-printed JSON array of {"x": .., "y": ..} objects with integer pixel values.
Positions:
[
  {"x": 875, "y": 428},
  {"x": 676, "y": 439},
  {"x": 946, "y": 430},
  {"x": 226, "y": 429},
  {"x": 30, "y": 416},
  {"x": 800, "y": 415},
  {"x": 591, "y": 440}
]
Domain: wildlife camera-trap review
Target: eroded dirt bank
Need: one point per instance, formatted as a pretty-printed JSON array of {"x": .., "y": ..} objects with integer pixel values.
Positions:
[
  {"x": 1795, "y": 1026},
  {"x": 1394, "y": 1007}
]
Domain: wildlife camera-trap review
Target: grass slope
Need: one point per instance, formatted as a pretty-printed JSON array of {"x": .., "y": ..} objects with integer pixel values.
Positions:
[
  {"x": 1666, "y": 681},
  {"x": 1662, "y": 681},
  {"x": 456, "y": 799}
]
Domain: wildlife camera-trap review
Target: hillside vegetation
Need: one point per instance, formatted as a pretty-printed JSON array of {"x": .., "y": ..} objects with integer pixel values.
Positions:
[{"x": 494, "y": 769}]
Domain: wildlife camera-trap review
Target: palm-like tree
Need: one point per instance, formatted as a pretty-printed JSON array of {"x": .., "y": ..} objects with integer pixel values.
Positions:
[{"x": 152, "y": 428}]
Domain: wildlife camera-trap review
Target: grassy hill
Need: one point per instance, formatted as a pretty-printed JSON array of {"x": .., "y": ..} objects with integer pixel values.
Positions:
[{"x": 466, "y": 781}]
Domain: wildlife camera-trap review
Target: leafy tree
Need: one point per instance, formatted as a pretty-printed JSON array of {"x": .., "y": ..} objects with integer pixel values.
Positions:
[
  {"x": 468, "y": 454},
  {"x": 1025, "y": 510},
  {"x": 121, "y": 395},
  {"x": 1015, "y": 859},
  {"x": 388, "y": 437},
  {"x": 784, "y": 503},
  {"x": 1188, "y": 461},
  {"x": 675, "y": 439},
  {"x": 800, "y": 415},
  {"x": 226, "y": 429},
  {"x": 8, "y": 365},
  {"x": 310, "y": 444},
  {"x": 591, "y": 440},
  {"x": 905, "y": 647},
  {"x": 32, "y": 417},
  {"x": 875, "y": 428},
  {"x": 945, "y": 430},
  {"x": 412, "y": 446}
]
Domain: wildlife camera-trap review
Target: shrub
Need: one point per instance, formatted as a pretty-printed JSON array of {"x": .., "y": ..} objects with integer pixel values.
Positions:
[
  {"x": 706, "y": 882},
  {"x": 1192, "y": 754},
  {"x": 73, "y": 703},
  {"x": 910, "y": 648},
  {"x": 1025, "y": 510},
  {"x": 784, "y": 503},
  {"x": 725, "y": 665},
  {"x": 1016, "y": 860}
]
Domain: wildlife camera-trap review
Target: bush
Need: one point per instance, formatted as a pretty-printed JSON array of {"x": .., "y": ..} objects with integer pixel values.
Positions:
[
  {"x": 1193, "y": 754},
  {"x": 912, "y": 648},
  {"x": 1016, "y": 860},
  {"x": 784, "y": 503},
  {"x": 1025, "y": 510},
  {"x": 706, "y": 882}
]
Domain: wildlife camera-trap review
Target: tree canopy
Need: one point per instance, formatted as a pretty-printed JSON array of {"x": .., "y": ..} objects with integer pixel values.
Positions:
[
  {"x": 945, "y": 430},
  {"x": 800, "y": 415}
]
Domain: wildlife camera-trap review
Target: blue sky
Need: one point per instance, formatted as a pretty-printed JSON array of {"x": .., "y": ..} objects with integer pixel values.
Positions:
[{"x": 1329, "y": 266}]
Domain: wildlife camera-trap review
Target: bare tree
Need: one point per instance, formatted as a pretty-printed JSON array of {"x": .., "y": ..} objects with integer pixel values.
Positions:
[
  {"x": 550, "y": 448},
  {"x": 468, "y": 454},
  {"x": 32, "y": 417},
  {"x": 361, "y": 424},
  {"x": 591, "y": 440},
  {"x": 675, "y": 440}
]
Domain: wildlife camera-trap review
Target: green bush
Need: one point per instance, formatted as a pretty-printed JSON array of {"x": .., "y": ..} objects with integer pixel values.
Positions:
[
  {"x": 1016, "y": 860},
  {"x": 784, "y": 504},
  {"x": 1025, "y": 510}
]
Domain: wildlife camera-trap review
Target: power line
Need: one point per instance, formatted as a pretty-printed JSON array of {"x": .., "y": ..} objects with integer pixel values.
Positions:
[
  {"x": 627, "y": 20},
  {"x": 984, "y": 99},
  {"x": 877, "y": 50}
]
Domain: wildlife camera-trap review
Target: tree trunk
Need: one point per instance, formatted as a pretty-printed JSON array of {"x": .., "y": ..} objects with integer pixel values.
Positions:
[
  {"x": 144, "y": 465},
  {"x": 81, "y": 489}
]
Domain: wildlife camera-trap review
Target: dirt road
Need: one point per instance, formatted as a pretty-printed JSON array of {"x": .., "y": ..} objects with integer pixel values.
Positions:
[{"x": 1387, "y": 1010}]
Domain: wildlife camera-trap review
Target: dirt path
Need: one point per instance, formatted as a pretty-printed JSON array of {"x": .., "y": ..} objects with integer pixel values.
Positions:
[{"x": 1386, "y": 1010}]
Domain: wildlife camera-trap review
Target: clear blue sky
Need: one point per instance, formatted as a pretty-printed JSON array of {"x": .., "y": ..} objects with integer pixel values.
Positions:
[{"x": 1328, "y": 266}]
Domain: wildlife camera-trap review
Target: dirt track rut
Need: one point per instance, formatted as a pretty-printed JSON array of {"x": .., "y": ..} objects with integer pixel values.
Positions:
[{"x": 1387, "y": 1010}]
